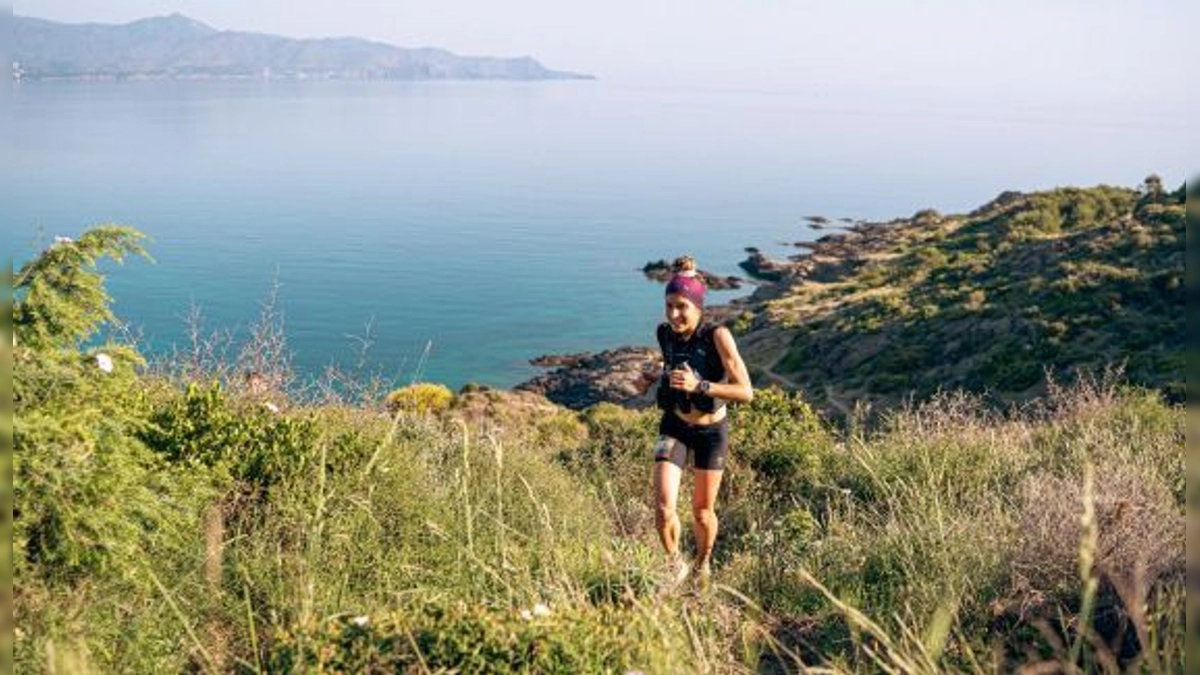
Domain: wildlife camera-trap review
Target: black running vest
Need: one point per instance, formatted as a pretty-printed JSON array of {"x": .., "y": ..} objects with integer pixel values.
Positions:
[{"x": 700, "y": 352}]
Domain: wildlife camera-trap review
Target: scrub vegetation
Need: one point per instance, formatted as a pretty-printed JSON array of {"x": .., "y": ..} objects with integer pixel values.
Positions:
[
  {"x": 1069, "y": 279},
  {"x": 205, "y": 516}
]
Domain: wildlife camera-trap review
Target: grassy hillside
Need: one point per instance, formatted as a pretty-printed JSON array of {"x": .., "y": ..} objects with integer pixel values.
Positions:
[
  {"x": 1051, "y": 281},
  {"x": 189, "y": 519}
]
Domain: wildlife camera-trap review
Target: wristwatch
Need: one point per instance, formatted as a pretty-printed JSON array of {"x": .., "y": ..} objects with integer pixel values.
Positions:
[{"x": 705, "y": 385}]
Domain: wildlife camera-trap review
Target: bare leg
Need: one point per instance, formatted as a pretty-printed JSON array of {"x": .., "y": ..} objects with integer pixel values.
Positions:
[
  {"x": 666, "y": 494},
  {"x": 704, "y": 514}
]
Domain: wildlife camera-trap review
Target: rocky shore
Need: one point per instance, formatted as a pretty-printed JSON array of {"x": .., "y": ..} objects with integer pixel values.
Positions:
[
  {"x": 625, "y": 375},
  {"x": 834, "y": 255},
  {"x": 814, "y": 321}
]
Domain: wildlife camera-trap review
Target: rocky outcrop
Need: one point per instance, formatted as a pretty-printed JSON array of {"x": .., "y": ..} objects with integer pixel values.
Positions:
[
  {"x": 661, "y": 271},
  {"x": 624, "y": 376},
  {"x": 759, "y": 266}
]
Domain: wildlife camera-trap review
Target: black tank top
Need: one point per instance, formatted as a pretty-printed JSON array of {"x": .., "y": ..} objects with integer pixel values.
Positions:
[{"x": 700, "y": 352}]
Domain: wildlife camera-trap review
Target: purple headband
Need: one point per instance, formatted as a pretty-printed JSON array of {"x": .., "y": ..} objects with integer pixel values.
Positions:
[{"x": 689, "y": 287}]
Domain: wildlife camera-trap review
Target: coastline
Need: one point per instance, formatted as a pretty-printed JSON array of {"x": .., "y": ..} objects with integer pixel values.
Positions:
[{"x": 787, "y": 293}]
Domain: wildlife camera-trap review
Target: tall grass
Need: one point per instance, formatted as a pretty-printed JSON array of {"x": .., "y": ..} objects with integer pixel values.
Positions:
[
  {"x": 333, "y": 536},
  {"x": 960, "y": 536}
]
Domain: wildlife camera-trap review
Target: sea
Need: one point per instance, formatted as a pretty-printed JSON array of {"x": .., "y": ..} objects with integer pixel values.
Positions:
[{"x": 451, "y": 231}]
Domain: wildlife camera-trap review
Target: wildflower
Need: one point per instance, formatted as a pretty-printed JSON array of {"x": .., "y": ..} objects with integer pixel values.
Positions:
[
  {"x": 63, "y": 240},
  {"x": 104, "y": 362},
  {"x": 361, "y": 621},
  {"x": 527, "y": 615},
  {"x": 541, "y": 610}
]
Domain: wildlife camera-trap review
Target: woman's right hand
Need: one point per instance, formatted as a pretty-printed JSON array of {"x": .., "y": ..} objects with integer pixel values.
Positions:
[{"x": 684, "y": 378}]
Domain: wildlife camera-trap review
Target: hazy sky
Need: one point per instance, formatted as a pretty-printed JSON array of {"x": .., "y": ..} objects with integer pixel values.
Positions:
[{"x": 1095, "y": 50}]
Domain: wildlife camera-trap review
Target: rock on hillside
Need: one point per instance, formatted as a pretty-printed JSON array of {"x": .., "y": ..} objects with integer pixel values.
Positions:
[{"x": 625, "y": 376}]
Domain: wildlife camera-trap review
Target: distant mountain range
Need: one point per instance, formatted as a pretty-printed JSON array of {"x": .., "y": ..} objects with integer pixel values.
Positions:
[{"x": 177, "y": 47}]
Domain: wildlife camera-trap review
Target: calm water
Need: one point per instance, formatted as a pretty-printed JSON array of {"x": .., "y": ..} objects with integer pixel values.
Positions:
[{"x": 499, "y": 221}]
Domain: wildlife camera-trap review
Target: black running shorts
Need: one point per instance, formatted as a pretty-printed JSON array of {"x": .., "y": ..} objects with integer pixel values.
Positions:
[{"x": 708, "y": 443}]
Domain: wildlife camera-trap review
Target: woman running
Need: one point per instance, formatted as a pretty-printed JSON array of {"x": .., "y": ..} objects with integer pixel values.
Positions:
[{"x": 702, "y": 371}]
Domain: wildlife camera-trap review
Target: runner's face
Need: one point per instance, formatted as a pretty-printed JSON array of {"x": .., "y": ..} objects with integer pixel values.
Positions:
[{"x": 683, "y": 316}]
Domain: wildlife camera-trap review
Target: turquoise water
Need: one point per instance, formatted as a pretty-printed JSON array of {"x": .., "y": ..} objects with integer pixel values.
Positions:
[{"x": 499, "y": 221}]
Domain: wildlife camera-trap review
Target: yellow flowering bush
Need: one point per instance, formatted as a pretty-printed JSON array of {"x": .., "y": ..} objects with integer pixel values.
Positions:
[{"x": 422, "y": 398}]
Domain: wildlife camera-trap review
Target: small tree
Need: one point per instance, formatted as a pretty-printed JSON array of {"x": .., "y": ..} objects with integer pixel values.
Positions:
[
  {"x": 59, "y": 297},
  {"x": 92, "y": 502}
]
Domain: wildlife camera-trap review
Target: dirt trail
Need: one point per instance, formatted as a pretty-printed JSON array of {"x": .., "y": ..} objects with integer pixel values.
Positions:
[{"x": 788, "y": 383}]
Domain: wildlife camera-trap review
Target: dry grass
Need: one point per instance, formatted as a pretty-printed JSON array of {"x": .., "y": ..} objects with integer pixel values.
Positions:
[
  {"x": 1140, "y": 531},
  {"x": 953, "y": 539}
]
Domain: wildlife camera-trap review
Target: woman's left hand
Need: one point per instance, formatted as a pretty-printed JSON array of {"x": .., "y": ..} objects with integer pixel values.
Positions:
[{"x": 685, "y": 379}]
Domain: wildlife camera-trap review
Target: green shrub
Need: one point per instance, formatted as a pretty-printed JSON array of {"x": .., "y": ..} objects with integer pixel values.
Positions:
[
  {"x": 462, "y": 638},
  {"x": 252, "y": 443},
  {"x": 779, "y": 437},
  {"x": 99, "y": 518}
]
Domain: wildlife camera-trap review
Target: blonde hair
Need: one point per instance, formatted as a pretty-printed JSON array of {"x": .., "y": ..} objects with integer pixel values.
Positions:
[{"x": 685, "y": 265}]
